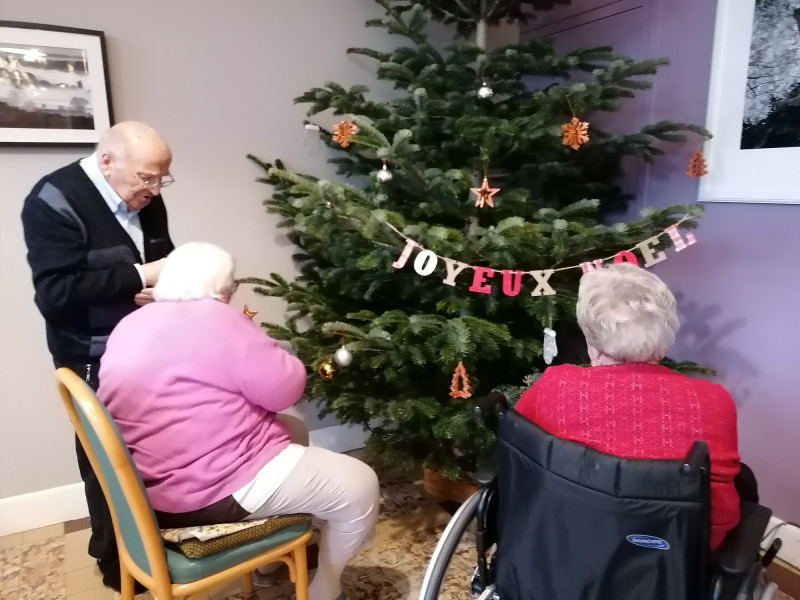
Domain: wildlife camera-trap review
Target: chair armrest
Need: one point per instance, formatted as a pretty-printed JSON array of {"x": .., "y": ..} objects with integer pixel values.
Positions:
[
  {"x": 739, "y": 549},
  {"x": 486, "y": 472}
]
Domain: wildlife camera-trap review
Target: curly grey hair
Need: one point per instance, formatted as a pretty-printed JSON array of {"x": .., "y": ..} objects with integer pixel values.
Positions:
[
  {"x": 627, "y": 313},
  {"x": 196, "y": 270}
]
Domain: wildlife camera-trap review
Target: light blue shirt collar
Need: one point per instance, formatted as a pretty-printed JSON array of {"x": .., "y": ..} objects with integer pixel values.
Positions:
[{"x": 91, "y": 166}]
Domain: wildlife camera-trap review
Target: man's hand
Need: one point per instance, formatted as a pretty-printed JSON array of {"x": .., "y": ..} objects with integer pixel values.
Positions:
[
  {"x": 151, "y": 272},
  {"x": 144, "y": 297}
]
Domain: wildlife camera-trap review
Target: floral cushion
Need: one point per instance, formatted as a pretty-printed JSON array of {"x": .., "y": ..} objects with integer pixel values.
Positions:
[{"x": 196, "y": 542}]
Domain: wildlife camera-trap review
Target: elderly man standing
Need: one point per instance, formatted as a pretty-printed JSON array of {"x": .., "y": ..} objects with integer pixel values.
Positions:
[{"x": 96, "y": 232}]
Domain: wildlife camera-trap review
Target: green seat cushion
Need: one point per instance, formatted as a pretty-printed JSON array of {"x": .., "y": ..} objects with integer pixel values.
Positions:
[{"x": 183, "y": 569}]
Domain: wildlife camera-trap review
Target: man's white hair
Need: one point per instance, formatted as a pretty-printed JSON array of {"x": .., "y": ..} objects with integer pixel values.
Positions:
[
  {"x": 196, "y": 270},
  {"x": 627, "y": 313}
]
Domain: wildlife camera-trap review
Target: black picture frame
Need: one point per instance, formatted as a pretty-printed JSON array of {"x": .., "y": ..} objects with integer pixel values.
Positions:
[{"x": 54, "y": 85}]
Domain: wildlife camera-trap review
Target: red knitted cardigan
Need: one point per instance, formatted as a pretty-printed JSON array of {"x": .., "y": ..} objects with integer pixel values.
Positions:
[{"x": 643, "y": 411}]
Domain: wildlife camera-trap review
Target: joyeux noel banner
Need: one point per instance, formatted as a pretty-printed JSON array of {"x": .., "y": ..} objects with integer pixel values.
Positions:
[{"x": 511, "y": 281}]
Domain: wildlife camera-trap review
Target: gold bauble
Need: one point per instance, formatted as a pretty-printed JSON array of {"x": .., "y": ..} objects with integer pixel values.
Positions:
[{"x": 326, "y": 370}]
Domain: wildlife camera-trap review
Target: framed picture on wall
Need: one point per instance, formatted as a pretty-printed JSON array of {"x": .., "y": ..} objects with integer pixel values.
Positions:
[
  {"x": 754, "y": 104},
  {"x": 54, "y": 87}
]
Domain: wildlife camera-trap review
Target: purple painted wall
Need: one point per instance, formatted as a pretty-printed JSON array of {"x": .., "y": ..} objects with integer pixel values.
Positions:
[{"x": 738, "y": 288}]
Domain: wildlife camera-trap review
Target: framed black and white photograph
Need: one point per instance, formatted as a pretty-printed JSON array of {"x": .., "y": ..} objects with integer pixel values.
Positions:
[
  {"x": 54, "y": 87},
  {"x": 754, "y": 103}
]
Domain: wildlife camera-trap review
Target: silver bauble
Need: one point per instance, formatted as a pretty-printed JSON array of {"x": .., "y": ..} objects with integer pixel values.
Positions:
[
  {"x": 384, "y": 175},
  {"x": 343, "y": 357}
]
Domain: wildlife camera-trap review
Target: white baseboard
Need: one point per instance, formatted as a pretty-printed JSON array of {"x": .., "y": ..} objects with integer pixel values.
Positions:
[
  {"x": 68, "y": 502},
  {"x": 39, "y": 509},
  {"x": 790, "y": 536}
]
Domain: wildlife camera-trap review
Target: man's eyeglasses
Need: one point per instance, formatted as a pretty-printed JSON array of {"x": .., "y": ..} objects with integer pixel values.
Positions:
[{"x": 152, "y": 180}]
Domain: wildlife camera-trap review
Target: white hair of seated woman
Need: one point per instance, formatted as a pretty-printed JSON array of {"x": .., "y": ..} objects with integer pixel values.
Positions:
[
  {"x": 196, "y": 270},
  {"x": 627, "y": 314}
]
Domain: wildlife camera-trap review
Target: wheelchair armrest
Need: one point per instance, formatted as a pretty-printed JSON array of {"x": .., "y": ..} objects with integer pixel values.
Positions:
[
  {"x": 739, "y": 549},
  {"x": 488, "y": 406},
  {"x": 486, "y": 472}
]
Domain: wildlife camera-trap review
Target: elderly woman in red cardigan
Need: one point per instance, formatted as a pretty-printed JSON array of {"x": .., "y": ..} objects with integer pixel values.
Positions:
[{"x": 628, "y": 405}]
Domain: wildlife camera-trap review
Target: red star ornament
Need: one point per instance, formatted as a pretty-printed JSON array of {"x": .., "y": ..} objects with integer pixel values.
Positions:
[{"x": 483, "y": 194}]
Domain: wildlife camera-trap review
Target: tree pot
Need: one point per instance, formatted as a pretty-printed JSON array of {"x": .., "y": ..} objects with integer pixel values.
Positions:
[{"x": 457, "y": 490}]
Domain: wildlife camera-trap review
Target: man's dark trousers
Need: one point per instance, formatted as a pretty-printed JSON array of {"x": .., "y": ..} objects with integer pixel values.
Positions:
[{"x": 103, "y": 543}]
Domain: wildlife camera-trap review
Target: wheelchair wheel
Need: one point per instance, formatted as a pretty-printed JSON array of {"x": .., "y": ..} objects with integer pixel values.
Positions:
[{"x": 453, "y": 562}]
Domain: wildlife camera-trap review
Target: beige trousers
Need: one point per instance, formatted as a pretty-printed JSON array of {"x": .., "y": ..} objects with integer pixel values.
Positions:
[{"x": 341, "y": 491}]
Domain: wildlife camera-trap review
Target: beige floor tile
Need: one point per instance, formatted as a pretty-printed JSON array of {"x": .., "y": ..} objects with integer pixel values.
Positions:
[
  {"x": 77, "y": 540},
  {"x": 229, "y": 589},
  {"x": 426, "y": 517},
  {"x": 42, "y": 570},
  {"x": 369, "y": 589},
  {"x": 101, "y": 593},
  {"x": 405, "y": 580},
  {"x": 77, "y": 559},
  {"x": 10, "y": 570},
  {"x": 83, "y": 580},
  {"x": 43, "y": 533},
  {"x": 10, "y": 541}
]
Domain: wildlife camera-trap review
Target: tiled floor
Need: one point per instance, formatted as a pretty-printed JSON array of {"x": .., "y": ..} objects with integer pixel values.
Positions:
[{"x": 51, "y": 563}]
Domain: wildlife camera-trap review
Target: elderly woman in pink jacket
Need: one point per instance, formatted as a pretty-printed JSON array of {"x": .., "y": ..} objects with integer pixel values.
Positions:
[{"x": 195, "y": 386}]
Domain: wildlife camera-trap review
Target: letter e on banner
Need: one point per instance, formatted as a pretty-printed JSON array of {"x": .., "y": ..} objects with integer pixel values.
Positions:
[
  {"x": 479, "y": 280},
  {"x": 650, "y": 255}
]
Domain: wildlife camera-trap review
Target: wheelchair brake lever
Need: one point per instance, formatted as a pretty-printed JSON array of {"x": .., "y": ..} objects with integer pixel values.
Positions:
[{"x": 771, "y": 552}]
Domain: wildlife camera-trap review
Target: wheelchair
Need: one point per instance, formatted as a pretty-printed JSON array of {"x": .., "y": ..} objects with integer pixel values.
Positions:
[{"x": 557, "y": 520}]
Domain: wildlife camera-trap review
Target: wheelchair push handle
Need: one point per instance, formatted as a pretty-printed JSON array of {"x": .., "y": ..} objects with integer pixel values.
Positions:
[
  {"x": 487, "y": 407},
  {"x": 696, "y": 461}
]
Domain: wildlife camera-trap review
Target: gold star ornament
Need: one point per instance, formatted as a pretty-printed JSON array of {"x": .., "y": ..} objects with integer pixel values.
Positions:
[
  {"x": 249, "y": 313},
  {"x": 483, "y": 194}
]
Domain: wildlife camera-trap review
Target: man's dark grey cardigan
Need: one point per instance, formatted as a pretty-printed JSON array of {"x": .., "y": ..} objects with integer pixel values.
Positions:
[{"x": 82, "y": 261}]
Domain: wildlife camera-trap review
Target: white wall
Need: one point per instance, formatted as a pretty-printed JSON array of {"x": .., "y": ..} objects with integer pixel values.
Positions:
[{"x": 217, "y": 79}]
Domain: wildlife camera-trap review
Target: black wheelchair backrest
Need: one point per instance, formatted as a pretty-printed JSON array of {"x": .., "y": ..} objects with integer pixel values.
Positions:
[{"x": 578, "y": 524}]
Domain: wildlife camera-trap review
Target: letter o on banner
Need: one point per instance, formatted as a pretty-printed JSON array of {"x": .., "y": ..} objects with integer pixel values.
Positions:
[
  {"x": 426, "y": 262},
  {"x": 626, "y": 256}
]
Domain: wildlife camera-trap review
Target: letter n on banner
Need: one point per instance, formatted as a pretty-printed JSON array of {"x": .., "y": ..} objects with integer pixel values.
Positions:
[{"x": 592, "y": 266}]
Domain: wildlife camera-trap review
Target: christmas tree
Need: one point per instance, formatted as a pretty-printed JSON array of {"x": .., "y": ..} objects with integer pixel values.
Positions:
[{"x": 472, "y": 170}]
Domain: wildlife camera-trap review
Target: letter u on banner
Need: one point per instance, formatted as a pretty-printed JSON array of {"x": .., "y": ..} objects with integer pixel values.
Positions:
[{"x": 512, "y": 282}]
